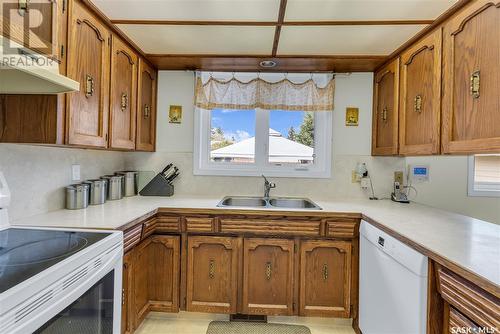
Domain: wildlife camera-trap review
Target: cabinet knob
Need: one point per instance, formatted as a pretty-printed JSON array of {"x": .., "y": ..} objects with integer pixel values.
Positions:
[
  {"x": 384, "y": 114},
  {"x": 211, "y": 269},
  {"x": 269, "y": 271},
  {"x": 89, "y": 86},
  {"x": 475, "y": 79},
  {"x": 147, "y": 111},
  {"x": 417, "y": 103},
  {"x": 124, "y": 102},
  {"x": 325, "y": 272}
]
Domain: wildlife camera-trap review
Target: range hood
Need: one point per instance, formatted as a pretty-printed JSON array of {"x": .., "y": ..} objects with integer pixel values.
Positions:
[{"x": 25, "y": 72}]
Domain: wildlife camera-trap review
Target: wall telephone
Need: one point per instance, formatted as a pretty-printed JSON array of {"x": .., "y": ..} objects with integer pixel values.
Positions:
[{"x": 399, "y": 195}]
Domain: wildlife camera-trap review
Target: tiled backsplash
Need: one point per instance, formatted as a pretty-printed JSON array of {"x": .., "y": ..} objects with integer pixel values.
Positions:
[{"x": 37, "y": 175}]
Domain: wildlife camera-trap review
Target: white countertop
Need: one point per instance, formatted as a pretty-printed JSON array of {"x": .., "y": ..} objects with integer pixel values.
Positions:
[{"x": 470, "y": 243}]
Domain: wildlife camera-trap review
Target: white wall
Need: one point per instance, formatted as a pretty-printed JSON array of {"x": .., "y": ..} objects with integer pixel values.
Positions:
[
  {"x": 447, "y": 188},
  {"x": 350, "y": 145},
  {"x": 37, "y": 175}
]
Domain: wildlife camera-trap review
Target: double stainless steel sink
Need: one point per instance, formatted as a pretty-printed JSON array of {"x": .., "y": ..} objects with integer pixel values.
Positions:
[{"x": 271, "y": 202}]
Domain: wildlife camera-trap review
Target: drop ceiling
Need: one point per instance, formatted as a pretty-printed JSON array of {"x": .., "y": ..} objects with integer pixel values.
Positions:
[{"x": 204, "y": 33}]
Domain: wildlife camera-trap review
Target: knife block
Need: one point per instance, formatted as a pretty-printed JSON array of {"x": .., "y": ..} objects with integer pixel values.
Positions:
[{"x": 158, "y": 186}]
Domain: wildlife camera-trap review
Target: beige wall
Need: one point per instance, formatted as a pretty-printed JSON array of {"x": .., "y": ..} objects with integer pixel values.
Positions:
[{"x": 37, "y": 175}]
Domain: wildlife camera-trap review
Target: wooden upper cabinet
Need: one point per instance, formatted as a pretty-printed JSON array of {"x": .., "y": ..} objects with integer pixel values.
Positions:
[
  {"x": 212, "y": 274},
  {"x": 123, "y": 95},
  {"x": 385, "y": 110},
  {"x": 88, "y": 63},
  {"x": 42, "y": 18},
  {"x": 471, "y": 76},
  {"x": 325, "y": 278},
  {"x": 420, "y": 97},
  {"x": 146, "y": 108},
  {"x": 268, "y": 276}
]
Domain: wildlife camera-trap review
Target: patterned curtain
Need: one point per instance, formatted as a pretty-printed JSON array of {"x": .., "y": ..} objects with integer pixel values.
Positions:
[{"x": 258, "y": 93}]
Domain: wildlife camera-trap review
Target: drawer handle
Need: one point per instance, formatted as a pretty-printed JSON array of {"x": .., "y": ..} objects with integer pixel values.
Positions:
[
  {"x": 475, "y": 80},
  {"x": 269, "y": 271},
  {"x": 384, "y": 114},
  {"x": 211, "y": 269},
  {"x": 89, "y": 86},
  {"x": 325, "y": 272},
  {"x": 124, "y": 102},
  {"x": 417, "y": 104},
  {"x": 147, "y": 111}
]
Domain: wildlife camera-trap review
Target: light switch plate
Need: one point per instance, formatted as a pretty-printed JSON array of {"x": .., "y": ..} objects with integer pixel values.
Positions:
[{"x": 75, "y": 173}]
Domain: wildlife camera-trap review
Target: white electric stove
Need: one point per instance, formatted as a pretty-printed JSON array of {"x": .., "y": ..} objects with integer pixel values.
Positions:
[{"x": 58, "y": 280}]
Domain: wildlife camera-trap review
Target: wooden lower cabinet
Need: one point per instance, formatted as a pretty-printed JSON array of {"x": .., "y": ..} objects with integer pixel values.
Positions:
[
  {"x": 156, "y": 276},
  {"x": 325, "y": 278},
  {"x": 127, "y": 324},
  {"x": 212, "y": 274},
  {"x": 268, "y": 276}
]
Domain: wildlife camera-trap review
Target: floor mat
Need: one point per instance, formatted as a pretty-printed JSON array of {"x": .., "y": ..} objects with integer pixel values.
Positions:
[{"x": 238, "y": 327}]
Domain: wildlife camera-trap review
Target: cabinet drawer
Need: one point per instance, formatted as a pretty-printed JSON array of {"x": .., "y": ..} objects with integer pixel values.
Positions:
[
  {"x": 131, "y": 237},
  {"x": 199, "y": 224},
  {"x": 476, "y": 304},
  {"x": 271, "y": 227},
  {"x": 458, "y": 323},
  {"x": 341, "y": 229},
  {"x": 168, "y": 224}
]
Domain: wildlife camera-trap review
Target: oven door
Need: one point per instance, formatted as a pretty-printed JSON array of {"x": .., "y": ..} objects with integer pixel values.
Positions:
[{"x": 97, "y": 309}]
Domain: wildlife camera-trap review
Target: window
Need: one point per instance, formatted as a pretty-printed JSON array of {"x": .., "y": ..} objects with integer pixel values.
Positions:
[
  {"x": 484, "y": 175},
  {"x": 248, "y": 124}
]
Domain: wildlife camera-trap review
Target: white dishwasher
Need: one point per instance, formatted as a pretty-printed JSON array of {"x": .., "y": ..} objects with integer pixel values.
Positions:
[{"x": 392, "y": 285}]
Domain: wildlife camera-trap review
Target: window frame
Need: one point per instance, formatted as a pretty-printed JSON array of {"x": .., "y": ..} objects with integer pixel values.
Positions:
[
  {"x": 493, "y": 189},
  {"x": 323, "y": 124}
]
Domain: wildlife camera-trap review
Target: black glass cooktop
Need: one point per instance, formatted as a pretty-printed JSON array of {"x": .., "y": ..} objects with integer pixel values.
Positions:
[{"x": 27, "y": 252}]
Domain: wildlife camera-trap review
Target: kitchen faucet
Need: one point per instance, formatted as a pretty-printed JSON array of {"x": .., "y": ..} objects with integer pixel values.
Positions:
[{"x": 267, "y": 186}]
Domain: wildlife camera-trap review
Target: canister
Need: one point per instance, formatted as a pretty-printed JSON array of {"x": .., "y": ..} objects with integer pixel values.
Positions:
[
  {"x": 97, "y": 191},
  {"x": 115, "y": 190},
  {"x": 130, "y": 182},
  {"x": 77, "y": 196}
]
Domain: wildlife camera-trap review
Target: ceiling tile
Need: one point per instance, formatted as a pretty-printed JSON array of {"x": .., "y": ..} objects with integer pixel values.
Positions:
[
  {"x": 168, "y": 39},
  {"x": 190, "y": 10},
  {"x": 325, "y": 10},
  {"x": 344, "y": 40}
]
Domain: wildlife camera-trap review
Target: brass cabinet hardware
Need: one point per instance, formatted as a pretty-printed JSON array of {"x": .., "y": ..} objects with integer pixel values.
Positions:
[
  {"x": 124, "y": 102},
  {"x": 22, "y": 7},
  {"x": 89, "y": 86},
  {"x": 211, "y": 269},
  {"x": 384, "y": 114},
  {"x": 475, "y": 79},
  {"x": 147, "y": 111},
  {"x": 269, "y": 271},
  {"x": 417, "y": 103},
  {"x": 123, "y": 296},
  {"x": 325, "y": 272}
]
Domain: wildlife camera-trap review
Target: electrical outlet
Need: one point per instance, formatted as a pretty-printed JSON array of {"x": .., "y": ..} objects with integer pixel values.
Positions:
[
  {"x": 398, "y": 177},
  {"x": 75, "y": 173}
]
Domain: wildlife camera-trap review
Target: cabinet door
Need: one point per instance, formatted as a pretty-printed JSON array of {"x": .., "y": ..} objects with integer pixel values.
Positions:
[
  {"x": 123, "y": 96},
  {"x": 126, "y": 297},
  {"x": 325, "y": 278},
  {"x": 268, "y": 267},
  {"x": 156, "y": 276},
  {"x": 385, "y": 110},
  {"x": 420, "y": 100},
  {"x": 146, "y": 108},
  {"x": 471, "y": 101},
  {"x": 41, "y": 18},
  {"x": 212, "y": 274},
  {"x": 88, "y": 63}
]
